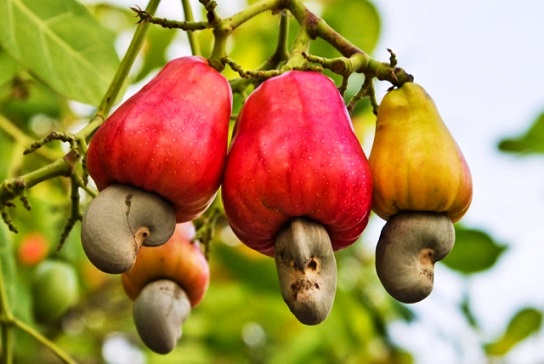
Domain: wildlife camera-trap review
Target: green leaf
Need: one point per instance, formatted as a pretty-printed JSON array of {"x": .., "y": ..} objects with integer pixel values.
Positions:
[
  {"x": 531, "y": 142},
  {"x": 253, "y": 270},
  {"x": 18, "y": 295},
  {"x": 474, "y": 251},
  {"x": 358, "y": 21},
  {"x": 525, "y": 322},
  {"x": 62, "y": 44},
  {"x": 8, "y": 67},
  {"x": 35, "y": 98},
  {"x": 158, "y": 40}
]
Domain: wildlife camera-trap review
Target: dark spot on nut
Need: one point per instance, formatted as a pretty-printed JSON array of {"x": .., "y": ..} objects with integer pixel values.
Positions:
[{"x": 312, "y": 265}]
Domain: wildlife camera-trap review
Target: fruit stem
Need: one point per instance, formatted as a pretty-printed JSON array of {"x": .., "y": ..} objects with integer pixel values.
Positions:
[
  {"x": 224, "y": 28},
  {"x": 301, "y": 45},
  {"x": 65, "y": 358},
  {"x": 282, "y": 51},
  {"x": 193, "y": 42}
]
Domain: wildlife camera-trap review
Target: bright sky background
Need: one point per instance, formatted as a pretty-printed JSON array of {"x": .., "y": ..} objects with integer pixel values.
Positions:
[{"x": 481, "y": 61}]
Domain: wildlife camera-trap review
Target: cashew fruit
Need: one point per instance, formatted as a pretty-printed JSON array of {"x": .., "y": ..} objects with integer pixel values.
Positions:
[
  {"x": 297, "y": 185},
  {"x": 415, "y": 162},
  {"x": 170, "y": 138},
  {"x": 294, "y": 153}
]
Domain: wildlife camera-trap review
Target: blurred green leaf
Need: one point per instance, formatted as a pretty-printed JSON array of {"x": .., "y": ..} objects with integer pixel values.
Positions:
[
  {"x": 62, "y": 44},
  {"x": 254, "y": 42},
  {"x": 18, "y": 294},
  {"x": 27, "y": 98},
  {"x": 531, "y": 142},
  {"x": 466, "y": 308},
  {"x": 256, "y": 272},
  {"x": 474, "y": 251},
  {"x": 158, "y": 40},
  {"x": 525, "y": 323},
  {"x": 8, "y": 67},
  {"x": 358, "y": 21}
]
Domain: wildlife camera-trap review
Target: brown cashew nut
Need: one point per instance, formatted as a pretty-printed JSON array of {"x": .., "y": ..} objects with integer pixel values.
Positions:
[
  {"x": 410, "y": 243},
  {"x": 119, "y": 221},
  {"x": 306, "y": 269}
]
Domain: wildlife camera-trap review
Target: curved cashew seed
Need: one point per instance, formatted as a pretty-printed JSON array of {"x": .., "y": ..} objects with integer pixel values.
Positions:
[
  {"x": 158, "y": 313},
  {"x": 306, "y": 270},
  {"x": 119, "y": 221},
  {"x": 409, "y": 245}
]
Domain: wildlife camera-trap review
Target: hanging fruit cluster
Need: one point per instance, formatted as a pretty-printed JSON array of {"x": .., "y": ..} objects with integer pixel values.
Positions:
[
  {"x": 296, "y": 185},
  {"x": 295, "y": 182}
]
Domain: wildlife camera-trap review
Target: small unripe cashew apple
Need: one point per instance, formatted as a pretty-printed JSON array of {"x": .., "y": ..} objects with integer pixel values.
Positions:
[
  {"x": 410, "y": 243},
  {"x": 165, "y": 283},
  {"x": 296, "y": 166},
  {"x": 169, "y": 140},
  {"x": 422, "y": 184},
  {"x": 55, "y": 288}
]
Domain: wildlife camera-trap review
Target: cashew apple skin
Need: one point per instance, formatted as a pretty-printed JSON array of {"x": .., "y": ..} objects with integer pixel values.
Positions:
[
  {"x": 415, "y": 162},
  {"x": 169, "y": 138},
  {"x": 179, "y": 260},
  {"x": 294, "y": 154}
]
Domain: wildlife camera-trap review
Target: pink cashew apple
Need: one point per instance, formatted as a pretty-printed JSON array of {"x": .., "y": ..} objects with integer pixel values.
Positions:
[
  {"x": 297, "y": 185},
  {"x": 157, "y": 160}
]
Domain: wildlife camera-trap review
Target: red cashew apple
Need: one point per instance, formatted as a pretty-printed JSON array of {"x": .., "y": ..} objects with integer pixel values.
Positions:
[
  {"x": 297, "y": 185},
  {"x": 33, "y": 249},
  {"x": 165, "y": 282},
  {"x": 164, "y": 149}
]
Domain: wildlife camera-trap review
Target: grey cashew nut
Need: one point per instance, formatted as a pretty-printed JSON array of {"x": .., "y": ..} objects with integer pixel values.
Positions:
[
  {"x": 119, "y": 221},
  {"x": 306, "y": 269},
  {"x": 158, "y": 313},
  {"x": 410, "y": 243}
]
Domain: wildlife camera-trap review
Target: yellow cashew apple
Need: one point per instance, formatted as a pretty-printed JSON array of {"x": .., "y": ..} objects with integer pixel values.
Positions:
[{"x": 415, "y": 162}]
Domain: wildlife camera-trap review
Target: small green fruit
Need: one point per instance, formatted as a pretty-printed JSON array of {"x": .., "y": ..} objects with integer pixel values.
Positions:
[{"x": 55, "y": 289}]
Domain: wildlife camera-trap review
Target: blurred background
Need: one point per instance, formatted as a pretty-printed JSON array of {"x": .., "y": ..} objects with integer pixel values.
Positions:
[{"x": 480, "y": 63}]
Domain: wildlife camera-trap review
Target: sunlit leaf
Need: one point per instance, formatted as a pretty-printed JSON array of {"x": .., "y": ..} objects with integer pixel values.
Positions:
[
  {"x": 525, "y": 323},
  {"x": 474, "y": 251},
  {"x": 62, "y": 44},
  {"x": 530, "y": 142}
]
